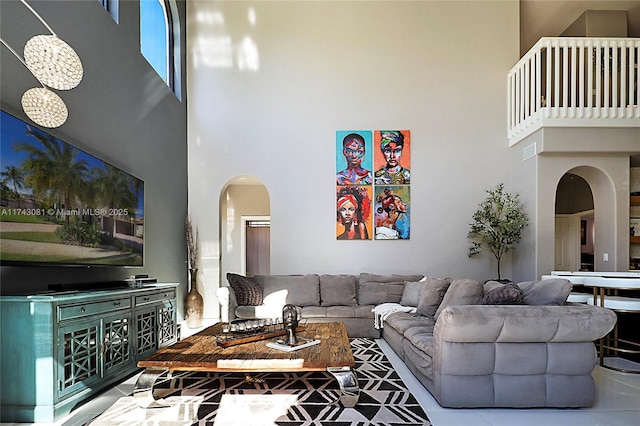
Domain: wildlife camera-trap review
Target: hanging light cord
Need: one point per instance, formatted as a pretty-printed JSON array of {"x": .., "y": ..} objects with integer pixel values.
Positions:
[
  {"x": 5, "y": 44},
  {"x": 39, "y": 17}
]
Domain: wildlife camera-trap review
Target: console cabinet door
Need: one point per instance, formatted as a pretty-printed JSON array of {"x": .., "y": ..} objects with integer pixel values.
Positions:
[
  {"x": 167, "y": 323},
  {"x": 78, "y": 356},
  {"x": 117, "y": 343},
  {"x": 155, "y": 321},
  {"x": 146, "y": 331}
]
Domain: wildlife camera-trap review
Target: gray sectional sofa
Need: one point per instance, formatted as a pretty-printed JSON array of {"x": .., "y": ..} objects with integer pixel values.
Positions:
[
  {"x": 469, "y": 344},
  {"x": 346, "y": 298}
]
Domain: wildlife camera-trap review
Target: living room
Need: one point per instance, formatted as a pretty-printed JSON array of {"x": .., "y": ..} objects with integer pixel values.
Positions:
[{"x": 260, "y": 91}]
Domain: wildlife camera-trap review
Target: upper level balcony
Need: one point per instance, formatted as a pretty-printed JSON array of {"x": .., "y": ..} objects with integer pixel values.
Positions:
[{"x": 574, "y": 82}]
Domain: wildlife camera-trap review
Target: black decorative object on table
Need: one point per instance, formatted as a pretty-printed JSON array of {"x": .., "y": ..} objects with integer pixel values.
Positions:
[
  {"x": 246, "y": 331},
  {"x": 290, "y": 321}
]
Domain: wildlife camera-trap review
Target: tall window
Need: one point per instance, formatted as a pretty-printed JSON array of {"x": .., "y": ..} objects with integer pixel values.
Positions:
[
  {"x": 156, "y": 38},
  {"x": 111, "y": 6}
]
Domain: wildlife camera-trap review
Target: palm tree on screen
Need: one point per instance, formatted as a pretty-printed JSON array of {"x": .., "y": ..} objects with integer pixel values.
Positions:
[
  {"x": 114, "y": 191},
  {"x": 14, "y": 174},
  {"x": 53, "y": 172}
]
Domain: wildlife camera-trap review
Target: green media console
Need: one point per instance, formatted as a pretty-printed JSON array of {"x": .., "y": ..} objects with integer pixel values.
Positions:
[{"x": 58, "y": 349}]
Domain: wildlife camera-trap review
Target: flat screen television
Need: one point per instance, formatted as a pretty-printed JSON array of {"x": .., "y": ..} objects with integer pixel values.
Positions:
[{"x": 63, "y": 206}]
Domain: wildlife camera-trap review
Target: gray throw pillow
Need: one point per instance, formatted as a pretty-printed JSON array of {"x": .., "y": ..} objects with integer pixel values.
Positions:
[
  {"x": 248, "y": 292},
  {"x": 431, "y": 295},
  {"x": 496, "y": 293},
  {"x": 411, "y": 293},
  {"x": 338, "y": 290},
  {"x": 298, "y": 290},
  {"x": 553, "y": 291},
  {"x": 376, "y": 289},
  {"x": 461, "y": 292}
]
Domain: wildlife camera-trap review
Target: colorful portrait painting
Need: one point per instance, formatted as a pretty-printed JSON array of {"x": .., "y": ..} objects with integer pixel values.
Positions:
[
  {"x": 353, "y": 212},
  {"x": 353, "y": 157},
  {"x": 392, "y": 157},
  {"x": 392, "y": 212}
]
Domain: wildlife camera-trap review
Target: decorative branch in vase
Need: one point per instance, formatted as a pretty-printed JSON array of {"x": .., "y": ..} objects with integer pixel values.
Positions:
[{"x": 193, "y": 302}]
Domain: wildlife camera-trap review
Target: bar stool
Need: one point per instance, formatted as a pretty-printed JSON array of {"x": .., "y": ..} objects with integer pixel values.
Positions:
[{"x": 613, "y": 344}]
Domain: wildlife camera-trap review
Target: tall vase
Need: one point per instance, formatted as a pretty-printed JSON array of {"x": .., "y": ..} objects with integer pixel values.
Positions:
[{"x": 193, "y": 303}]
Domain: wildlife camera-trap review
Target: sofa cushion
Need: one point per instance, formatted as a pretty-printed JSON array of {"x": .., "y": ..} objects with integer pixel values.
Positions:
[
  {"x": 247, "y": 290},
  {"x": 403, "y": 321},
  {"x": 553, "y": 291},
  {"x": 496, "y": 293},
  {"x": 313, "y": 312},
  {"x": 431, "y": 295},
  {"x": 461, "y": 292},
  {"x": 338, "y": 290},
  {"x": 377, "y": 289},
  {"x": 299, "y": 290},
  {"x": 411, "y": 293},
  {"x": 260, "y": 311},
  {"x": 421, "y": 338}
]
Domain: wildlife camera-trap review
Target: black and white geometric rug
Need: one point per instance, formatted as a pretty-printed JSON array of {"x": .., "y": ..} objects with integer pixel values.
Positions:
[{"x": 288, "y": 399}]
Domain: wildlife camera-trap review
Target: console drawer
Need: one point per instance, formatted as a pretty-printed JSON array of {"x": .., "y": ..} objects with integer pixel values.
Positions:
[
  {"x": 155, "y": 297},
  {"x": 67, "y": 312}
]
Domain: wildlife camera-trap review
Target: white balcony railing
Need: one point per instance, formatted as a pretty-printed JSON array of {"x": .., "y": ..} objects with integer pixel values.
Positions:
[{"x": 575, "y": 82}]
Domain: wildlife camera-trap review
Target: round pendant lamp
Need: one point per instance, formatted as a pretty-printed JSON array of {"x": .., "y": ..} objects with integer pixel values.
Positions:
[
  {"x": 53, "y": 62},
  {"x": 44, "y": 107}
]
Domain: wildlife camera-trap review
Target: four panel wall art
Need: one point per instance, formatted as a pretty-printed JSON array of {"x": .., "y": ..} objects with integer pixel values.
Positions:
[{"x": 373, "y": 177}]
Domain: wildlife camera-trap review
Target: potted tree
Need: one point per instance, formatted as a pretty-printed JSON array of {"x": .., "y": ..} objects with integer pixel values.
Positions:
[{"x": 497, "y": 224}]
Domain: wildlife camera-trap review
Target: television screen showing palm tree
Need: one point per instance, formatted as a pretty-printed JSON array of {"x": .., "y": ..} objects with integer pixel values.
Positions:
[{"x": 63, "y": 206}]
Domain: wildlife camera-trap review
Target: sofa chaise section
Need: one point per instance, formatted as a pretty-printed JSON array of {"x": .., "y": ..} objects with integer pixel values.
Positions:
[{"x": 503, "y": 355}]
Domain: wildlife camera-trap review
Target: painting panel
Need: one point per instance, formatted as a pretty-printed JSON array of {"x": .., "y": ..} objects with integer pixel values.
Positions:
[
  {"x": 392, "y": 212},
  {"x": 353, "y": 157},
  {"x": 353, "y": 212},
  {"x": 392, "y": 157}
]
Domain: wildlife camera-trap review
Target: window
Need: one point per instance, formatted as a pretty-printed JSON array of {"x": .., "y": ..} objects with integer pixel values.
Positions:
[
  {"x": 111, "y": 6},
  {"x": 158, "y": 37}
]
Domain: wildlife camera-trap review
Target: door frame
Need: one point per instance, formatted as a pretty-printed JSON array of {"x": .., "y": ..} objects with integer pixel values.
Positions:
[{"x": 243, "y": 239}]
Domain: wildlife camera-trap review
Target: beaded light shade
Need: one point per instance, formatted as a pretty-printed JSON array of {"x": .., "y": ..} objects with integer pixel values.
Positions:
[
  {"x": 53, "y": 62},
  {"x": 44, "y": 107}
]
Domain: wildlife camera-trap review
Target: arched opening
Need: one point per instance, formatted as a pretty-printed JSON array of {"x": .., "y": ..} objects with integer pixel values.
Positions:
[
  {"x": 574, "y": 225},
  {"x": 585, "y": 218},
  {"x": 244, "y": 227}
]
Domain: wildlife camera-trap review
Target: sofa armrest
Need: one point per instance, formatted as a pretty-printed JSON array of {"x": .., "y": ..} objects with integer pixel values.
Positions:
[
  {"x": 523, "y": 323},
  {"x": 228, "y": 303}
]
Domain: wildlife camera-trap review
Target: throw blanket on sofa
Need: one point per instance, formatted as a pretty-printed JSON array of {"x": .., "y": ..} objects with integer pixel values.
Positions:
[{"x": 381, "y": 312}]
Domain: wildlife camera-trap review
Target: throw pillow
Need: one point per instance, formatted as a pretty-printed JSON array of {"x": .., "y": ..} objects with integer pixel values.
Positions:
[
  {"x": 338, "y": 290},
  {"x": 431, "y": 295},
  {"x": 411, "y": 293},
  {"x": 502, "y": 294},
  {"x": 461, "y": 292},
  {"x": 296, "y": 289},
  {"x": 376, "y": 289},
  {"x": 553, "y": 291},
  {"x": 248, "y": 292}
]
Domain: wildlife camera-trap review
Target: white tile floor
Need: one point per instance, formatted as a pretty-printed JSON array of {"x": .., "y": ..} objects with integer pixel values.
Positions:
[{"x": 617, "y": 404}]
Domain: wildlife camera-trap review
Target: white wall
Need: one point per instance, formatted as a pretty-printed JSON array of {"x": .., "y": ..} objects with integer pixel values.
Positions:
[{"x": 266, "y": 97}]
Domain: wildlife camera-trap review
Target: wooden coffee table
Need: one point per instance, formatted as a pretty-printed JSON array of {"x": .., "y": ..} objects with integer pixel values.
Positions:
[{"x": 200, "y": 352}]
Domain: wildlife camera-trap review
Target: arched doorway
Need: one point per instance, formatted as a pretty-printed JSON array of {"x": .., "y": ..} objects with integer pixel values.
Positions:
[
  {"x": 574, "y": 225},
  {"x": 585, "y": 221},
  {"x": 244, "y": 206}
]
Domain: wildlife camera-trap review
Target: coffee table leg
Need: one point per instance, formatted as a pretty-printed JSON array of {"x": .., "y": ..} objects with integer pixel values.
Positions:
[
  {"x": 348, "y": 382},
  {"x": 143, "y": 389}
]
